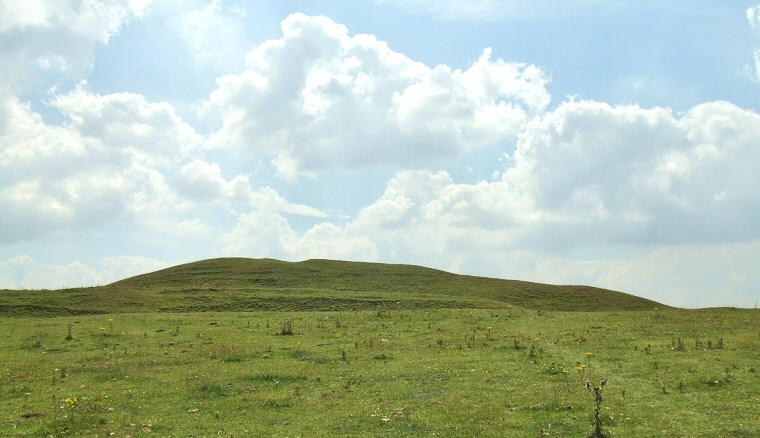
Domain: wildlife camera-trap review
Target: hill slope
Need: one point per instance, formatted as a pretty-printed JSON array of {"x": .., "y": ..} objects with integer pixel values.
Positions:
[{"x": 239, "y": 284}]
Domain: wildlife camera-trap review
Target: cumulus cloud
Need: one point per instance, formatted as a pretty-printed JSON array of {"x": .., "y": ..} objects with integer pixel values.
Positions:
[
  {"x": 59, "y": 36},
  {"x": 23, "y": 272},
  {"x": 589, "y": 172},
  {"x": 264, "y": 234},
  {"x": 111, "y": 161},
  {"x": 201, "y": 181},
  {"x": 149, "y": 131},
  {"x": 319, "y": 99},
  {"x": 642, "y": 175},
  {"x": 105, "y": 164}
]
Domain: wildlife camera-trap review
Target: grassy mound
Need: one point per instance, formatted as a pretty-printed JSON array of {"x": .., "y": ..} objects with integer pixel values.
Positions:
[{"x": 240, "y": 284}]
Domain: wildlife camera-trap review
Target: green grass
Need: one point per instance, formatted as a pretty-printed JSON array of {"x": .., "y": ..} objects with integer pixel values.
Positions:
[
  {"x": 383, "y": 365},
  {"x": 404, "y": 373}
]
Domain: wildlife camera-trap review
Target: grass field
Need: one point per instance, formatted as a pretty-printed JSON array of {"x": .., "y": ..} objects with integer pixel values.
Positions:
[{"x": 379, "y": 363}]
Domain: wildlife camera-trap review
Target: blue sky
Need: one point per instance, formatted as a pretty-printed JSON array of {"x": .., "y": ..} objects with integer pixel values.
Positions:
[{"x": 607, "y": 143}]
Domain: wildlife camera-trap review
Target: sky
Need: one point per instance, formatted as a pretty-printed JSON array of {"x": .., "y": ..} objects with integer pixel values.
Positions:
[{"x": 599, "y": 142}]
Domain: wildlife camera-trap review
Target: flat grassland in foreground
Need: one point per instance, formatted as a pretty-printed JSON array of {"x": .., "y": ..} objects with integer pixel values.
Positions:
[
  {"x": 241, "y": 347},
  {"x": 384, "y": 372}
]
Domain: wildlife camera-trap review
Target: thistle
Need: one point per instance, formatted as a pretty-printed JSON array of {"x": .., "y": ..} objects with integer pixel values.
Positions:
[{"x": 597, "y": 391}]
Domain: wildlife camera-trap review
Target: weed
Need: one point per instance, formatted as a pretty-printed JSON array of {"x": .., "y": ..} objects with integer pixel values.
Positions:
[
  {"x": 532, "y": 353},
  {"x": 69, "y": 335},
  {"x": 678, "y": 345},
  {"x": 597, "y": 391},
  {"x": 287, "y": 327}
]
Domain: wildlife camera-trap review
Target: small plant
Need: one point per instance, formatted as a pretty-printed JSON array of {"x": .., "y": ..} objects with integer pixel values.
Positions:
[
  {"x": 287, "y": 327},
  {"x": 69, "y": 334},
  {"x": 72, "y": 403},
  {"x": 678, "y": 345},
  {"x": 597, "y": 391},
  {"x": 727, "y": 372}
]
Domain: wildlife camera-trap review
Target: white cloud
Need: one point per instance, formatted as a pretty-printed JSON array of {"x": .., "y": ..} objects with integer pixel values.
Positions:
[
  {"x": 149, "y": 131},
  {"x": 319, "y": 99},
  {"x": 262, "y": 234},
  {"x": 57, "y": 35},
  {"x": 57, "y": 178},
  {"x": 22, "y": 272},
  {"x": 628, "y": 174},
  {"x": 201, "y": 181},
  {"x": 753, "y": 16},
  {"x": 212, "y": 33},
  {"x": 20, "y": 15}
]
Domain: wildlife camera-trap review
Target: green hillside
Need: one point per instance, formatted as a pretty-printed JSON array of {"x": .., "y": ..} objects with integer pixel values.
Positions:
[{"x": 240, "y": 284}]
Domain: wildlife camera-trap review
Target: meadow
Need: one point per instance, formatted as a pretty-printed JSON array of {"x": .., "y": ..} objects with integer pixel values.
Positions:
[{"x": 382, "y": 367}]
